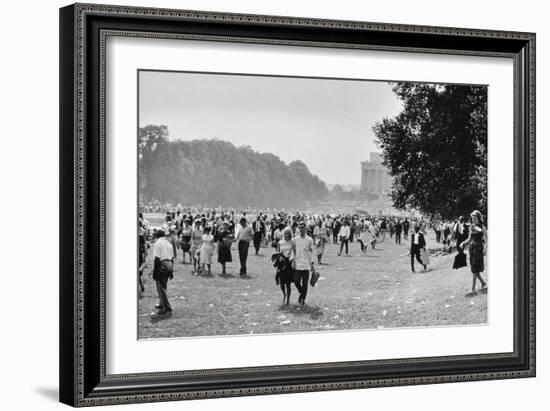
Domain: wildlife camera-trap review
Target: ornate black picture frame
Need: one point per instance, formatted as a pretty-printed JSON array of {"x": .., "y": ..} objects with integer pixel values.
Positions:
[{"x": 83, "y": 30}]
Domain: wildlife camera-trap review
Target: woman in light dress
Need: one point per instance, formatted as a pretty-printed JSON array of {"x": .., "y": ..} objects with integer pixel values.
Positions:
[
  {"x": 206, "y": 250},
  {"x": 284, "y": 276},
  {"x": 374, "y": 231},
  {"x": 196, "y": 242},
  {"x": 320, "y": 238}
]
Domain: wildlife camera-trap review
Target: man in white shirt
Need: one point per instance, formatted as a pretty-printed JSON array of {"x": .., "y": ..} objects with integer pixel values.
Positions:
[
  {"x": 344, "y": 234},
  {"x": 163, "y": 255},
  {"x": 244, "y": 236},
  {"x": 302, "y": 258}
]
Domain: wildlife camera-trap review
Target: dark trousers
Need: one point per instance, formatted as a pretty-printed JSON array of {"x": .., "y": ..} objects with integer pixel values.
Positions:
[
  {"x": 335, "y": 237},
  {"x": 257, "y": 240},
  {"x": 438, "y": 236},
  {"x": 398, "y": 237},
  {"x": 162, "y": 284},
  {"x": 415, "y": 252},
  {"x": 301, "y": 279},
  {"x": 243, "y": 254},
  {"x": 344, "y": 243}
]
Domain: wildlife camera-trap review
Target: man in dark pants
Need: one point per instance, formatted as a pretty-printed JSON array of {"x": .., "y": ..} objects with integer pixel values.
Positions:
[
  {"x": 259, "y": 232},
  {"x": 244, "y": 236},
  {"x": 406, "y": 226},
  {"x": 417, "y": 243},
  {"x": 335, "y": 230},
  {"x": 398, "y": 228},
  {"x": 302, "y": 259},
  {"x": 163, "y": 270}
]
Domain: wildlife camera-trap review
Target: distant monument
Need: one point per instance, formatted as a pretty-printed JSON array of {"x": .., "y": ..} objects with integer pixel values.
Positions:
[{"x": 375, "y": 179}]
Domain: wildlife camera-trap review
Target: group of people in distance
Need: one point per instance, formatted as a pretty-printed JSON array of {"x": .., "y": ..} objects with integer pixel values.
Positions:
[{"x": 298, "y": 241}]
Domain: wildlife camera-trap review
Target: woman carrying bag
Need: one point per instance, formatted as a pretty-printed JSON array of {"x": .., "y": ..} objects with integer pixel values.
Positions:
[{"x": 476, "y": 241}]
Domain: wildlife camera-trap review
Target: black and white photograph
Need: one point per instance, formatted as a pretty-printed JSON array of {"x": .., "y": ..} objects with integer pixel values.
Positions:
[{"x": 279, "y": 204}]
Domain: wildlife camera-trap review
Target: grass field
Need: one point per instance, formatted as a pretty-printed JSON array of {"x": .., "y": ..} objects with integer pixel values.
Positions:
[{"x": 356, "y": 292}]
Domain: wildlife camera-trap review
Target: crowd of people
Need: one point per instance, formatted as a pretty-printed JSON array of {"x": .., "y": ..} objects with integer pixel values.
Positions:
[{"x": 298, "y": 241}]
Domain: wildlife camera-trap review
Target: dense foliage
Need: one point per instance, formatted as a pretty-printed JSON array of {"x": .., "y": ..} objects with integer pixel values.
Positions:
[
  {"x": 216, "y": 173},
  {"x": 436, "y": 149}
]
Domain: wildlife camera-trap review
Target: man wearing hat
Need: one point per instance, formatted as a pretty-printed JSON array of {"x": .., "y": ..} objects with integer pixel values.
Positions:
[{"x": 163, "y": 254}]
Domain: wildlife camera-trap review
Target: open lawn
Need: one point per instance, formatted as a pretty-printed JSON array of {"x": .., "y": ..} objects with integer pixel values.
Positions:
[{"x": 355, "y": 292}]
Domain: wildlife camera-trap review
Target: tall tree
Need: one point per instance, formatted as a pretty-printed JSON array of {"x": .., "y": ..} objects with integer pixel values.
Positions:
[
  {"x": 149, "y": 139},
  {"x": 436, "y": 149}
]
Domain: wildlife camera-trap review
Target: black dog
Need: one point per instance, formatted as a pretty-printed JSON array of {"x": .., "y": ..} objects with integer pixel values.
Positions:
[{"x": 283, "y": 275}]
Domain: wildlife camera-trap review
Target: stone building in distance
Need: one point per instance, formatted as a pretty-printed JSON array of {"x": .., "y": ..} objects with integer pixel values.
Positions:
[{"x": 375, "y": 179}]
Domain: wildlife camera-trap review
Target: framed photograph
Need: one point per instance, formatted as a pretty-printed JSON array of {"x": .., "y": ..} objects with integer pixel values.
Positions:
[{"x": 262, "y": 204}]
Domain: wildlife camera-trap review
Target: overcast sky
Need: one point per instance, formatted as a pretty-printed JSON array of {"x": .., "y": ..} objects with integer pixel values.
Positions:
[{"x": 325, "y": 123}]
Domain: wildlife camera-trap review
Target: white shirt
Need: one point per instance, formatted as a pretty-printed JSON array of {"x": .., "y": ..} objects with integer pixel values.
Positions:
[
  {"x": 344, "y": 231},
  {"x": 163, "y": 249},
  {"x": 285, "y": 247},
  {"x": 303, "y": 251},
  {"x": 245, "y": 233}
]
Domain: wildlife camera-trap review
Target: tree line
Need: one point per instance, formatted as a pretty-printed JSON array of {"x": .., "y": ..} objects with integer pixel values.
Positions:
[{"x": 217, "y": 173}]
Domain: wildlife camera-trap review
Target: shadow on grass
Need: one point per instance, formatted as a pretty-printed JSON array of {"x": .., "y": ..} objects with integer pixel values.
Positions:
[
  {"x": 155, "y": 318},
  {"x": 476, "y": 293},
  {"x": 426, "y": 271},
  {"x": 226, "y": 276},
  {"x": 314, "y": 312}
]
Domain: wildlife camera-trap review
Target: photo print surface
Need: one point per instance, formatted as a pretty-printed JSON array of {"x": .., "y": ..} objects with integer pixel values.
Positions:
[{"x": 276, "y": 204}]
